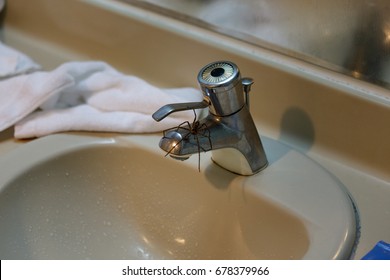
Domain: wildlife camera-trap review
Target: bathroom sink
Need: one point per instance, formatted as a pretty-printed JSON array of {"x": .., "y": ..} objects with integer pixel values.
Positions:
[{"x": 83, "y": 196}]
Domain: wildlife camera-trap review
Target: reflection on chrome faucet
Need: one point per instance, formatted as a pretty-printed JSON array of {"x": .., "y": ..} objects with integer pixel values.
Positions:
[{"x": 228, "y": 130}]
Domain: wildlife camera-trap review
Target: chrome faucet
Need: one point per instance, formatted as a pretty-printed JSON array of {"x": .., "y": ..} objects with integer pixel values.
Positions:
[{"x": 228, "y": 130}]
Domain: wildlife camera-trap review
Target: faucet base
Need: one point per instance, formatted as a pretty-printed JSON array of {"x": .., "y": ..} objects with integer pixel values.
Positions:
[{"x": 234, "y": 161}]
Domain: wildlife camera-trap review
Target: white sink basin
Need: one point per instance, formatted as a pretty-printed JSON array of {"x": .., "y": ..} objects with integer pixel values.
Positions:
[{"x": 84, "y": 196}]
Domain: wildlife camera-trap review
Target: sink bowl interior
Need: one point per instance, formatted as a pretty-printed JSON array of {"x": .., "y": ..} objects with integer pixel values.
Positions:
[
  {"x": 106, "y": 201},
  {"x": 121, "y": 201}
]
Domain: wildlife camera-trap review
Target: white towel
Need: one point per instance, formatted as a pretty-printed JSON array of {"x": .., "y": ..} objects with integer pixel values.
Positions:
[
  {"x": 86, "y": 96},
  {"x": 21, "y": 95},
  {"x": 12, "y": 62}
]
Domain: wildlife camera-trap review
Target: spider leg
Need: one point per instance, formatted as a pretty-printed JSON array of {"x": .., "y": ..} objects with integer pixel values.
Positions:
[
  {"x": 205, "y": 132},
  {"x": 199, "y": 147},
  {"x": 177, "y": 127}
]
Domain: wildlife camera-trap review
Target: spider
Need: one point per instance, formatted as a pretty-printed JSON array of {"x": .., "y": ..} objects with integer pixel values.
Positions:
[{"x": 195, "y": 130}]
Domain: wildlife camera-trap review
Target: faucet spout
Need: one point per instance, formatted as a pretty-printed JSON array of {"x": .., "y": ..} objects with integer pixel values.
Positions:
[{"x": 228, "y": 130}]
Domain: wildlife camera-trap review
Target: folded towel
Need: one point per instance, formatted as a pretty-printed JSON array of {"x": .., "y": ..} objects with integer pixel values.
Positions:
[
  {"x": 14, "y": 63},
  {"x": 21, "y": 95},
  {"x": 88, "y": 96}
]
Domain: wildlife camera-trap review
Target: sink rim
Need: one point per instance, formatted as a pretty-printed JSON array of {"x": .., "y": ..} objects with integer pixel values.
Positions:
[{"x": 51, "y": 146}]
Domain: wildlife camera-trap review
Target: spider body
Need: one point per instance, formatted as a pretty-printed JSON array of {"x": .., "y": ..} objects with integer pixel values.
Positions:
[{"x": 190, "y": 134}]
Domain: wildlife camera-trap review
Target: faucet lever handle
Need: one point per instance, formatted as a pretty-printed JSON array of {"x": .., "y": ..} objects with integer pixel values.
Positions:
[
  {"x": 168, "y": 109},
  {"x": 247, "y": 84}
]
